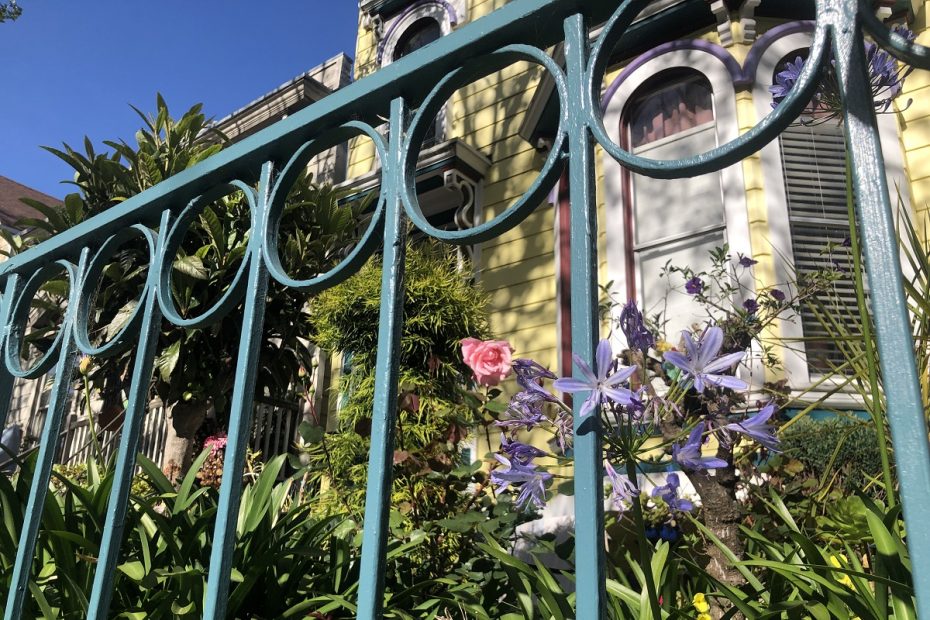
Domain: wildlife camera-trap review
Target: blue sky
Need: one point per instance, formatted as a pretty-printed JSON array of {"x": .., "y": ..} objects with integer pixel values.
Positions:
[{"x": 70, "y": 69}]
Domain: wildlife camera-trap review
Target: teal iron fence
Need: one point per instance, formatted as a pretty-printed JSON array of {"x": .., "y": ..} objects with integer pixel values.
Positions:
[{"x": 270, "y": 161}]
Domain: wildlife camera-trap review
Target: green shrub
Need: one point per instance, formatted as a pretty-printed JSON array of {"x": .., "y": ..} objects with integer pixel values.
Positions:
[
  {"x": 844, "y": 450},
  {"x": 441, "y": 307}
]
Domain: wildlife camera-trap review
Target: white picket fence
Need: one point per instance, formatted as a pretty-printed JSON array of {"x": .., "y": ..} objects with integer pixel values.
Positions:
[{"x": 274, "y": 430}]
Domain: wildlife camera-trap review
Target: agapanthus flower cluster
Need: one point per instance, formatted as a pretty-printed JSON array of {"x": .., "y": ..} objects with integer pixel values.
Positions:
[
  {"x": 886, "y": 81},
  {"x": 702, "y": 370}
]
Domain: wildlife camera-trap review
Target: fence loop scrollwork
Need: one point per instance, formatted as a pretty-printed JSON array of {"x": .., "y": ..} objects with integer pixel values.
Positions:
[
  {"x": 274, "y": 210},
  {"x": 908, "y": 52},
  {"x": 20, "y": 316},
  {"x": 236, "y": 289},
  {"x": 92, "y": 279},
  {"x": 724, "y": 155},
  {"x": 534, "y": 195}
]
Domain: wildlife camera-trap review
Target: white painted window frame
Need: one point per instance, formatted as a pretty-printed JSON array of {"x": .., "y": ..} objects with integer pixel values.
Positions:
[
  {"x": 398, "y": 27},
  {"x": 795, "y": 362},
  {"x": 732, "y": 183}
]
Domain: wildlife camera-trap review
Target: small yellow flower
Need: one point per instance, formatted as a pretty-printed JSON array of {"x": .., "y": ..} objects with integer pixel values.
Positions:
[
  {"x": 84, "y": 365},
  {"x": 663, "y": 345},
  {"x": 704, "y": 617},
  {"x": 700, "y": 605},
  {"x": 841, "y": 561}
]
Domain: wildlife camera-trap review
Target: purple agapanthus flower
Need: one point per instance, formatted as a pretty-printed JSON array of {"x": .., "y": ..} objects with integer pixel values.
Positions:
[
  {"x": 758, "y": 429},
  {"x": 785, "y": 80},
  {"x": 694, "y": 286},
  {"x": 689, "y": 456},
  {"x": 777, "y": 295},
  {"x": 532, "y": 483},
  {"x": 668, "y": 493},
  {"x": 524, "y": 453},
  {"x": 529, "y": 372},
  {"x": 622, "y": 488},
  {"x": 524, "y": 410},
  {"x": 564, "y": 430},
  {"x": 634, "y": 328},
  {"x": 751, "y": 306},
  {"x": 886, "y": 79},
  {"x": 603, "y": 385},
  {"x": 746, "y": 261},
  {"x": 702, "y": 364}
]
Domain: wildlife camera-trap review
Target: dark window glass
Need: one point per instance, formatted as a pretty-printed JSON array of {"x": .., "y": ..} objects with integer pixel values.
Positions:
[
  {"x": 420, "y": 34},
  {"x": 666, "y": 109}
]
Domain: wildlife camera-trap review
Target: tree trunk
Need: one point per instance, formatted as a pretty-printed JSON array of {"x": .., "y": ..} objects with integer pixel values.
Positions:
[
  {"x": 185, "y": 419},
  {"x": 722, "y": 516}
]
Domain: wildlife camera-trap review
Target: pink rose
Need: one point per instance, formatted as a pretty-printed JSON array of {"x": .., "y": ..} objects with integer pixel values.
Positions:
[{"x": 489, "y": 359}]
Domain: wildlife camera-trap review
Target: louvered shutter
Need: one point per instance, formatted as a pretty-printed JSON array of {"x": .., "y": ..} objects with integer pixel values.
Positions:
[{"x": 814, "y": 165}]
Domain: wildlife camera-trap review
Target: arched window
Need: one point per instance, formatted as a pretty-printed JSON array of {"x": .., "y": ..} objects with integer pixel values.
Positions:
[
  {"x": 420, "y": 34},
  {"x": 676, "y": 221}
]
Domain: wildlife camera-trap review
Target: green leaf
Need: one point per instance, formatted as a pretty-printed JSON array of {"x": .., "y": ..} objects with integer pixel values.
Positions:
[
  {"x": 192, "y": 266},
  {"x": 133, "y": 570},
  {"x": 121, "y": 318},
  {"x": 168, "y": 360}
]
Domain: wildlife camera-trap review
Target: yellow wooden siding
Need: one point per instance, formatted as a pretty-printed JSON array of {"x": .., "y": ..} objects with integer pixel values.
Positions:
[{"x": 518, "y": 268}]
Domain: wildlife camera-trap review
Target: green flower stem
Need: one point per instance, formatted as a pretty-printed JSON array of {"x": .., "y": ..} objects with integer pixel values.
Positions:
[
  {"x": 874, "y": 406},
  {"x": 645, "y": 547},
  {"x": 98, "y": 452}
]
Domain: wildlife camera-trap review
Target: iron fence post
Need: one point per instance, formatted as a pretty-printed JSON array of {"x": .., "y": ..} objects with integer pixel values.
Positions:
[
  {"x": 904, "y": 402},
  {"x": 589, "y": 479}
]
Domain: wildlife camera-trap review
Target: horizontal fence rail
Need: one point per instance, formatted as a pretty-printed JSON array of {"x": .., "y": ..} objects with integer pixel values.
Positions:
[{"x": 265, "y": 165}]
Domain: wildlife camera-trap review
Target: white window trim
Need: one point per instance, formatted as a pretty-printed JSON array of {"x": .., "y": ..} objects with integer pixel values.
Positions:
[
  {"x": 731, "y": 178},
  {"x": 398, "y": 26},
  {"x": 795, "y": 361},
  {"x": 443, "y": 12}
]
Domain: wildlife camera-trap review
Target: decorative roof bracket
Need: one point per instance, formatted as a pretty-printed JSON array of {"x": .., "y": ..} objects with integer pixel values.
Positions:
[
  {"x": 724, "y": 26},
  {"x": 747, "y": 20}
]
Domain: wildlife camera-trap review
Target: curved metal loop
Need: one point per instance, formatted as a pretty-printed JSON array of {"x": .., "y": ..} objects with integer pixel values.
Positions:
[
  {"x": 734, "y": 151},
  {"x": 89, "y": 284},
  {"x": 913, "y": 54},
  {"x": 607, "y": 40},
  {"x": 540, "y": 187},
  {"x": 20, "y": 315},
  {"x": 236, "y": 289},
  {"x": 366, "y": 245}
]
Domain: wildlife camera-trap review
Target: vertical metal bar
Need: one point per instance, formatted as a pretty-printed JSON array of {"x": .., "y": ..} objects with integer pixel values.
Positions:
[
  {"x": 589, "y": 491},
  {"x": 253, "y": 316},
  {"x": 889, "y": 304},
  {"x": 7, "y": 380},
  {"x": 383, "y": 418},
  {"x": 118, "y": 503},
  {"x": 47, "y": 451}
]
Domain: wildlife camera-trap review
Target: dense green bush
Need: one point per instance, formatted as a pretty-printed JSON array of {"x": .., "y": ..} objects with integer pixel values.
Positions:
[
  {"x": 441, "y": 307},
  {"x": 842, "y": 449}
]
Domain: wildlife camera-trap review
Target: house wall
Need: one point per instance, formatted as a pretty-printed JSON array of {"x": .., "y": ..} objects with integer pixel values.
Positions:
[
  {"x": 915, "y": 119},
  {"x": 518, "y": 269}
]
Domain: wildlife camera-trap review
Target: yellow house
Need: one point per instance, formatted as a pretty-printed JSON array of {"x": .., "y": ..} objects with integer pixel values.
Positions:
[{"x": 690, "y": 75}]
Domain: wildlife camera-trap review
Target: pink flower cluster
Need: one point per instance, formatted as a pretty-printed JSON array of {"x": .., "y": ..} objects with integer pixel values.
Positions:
[
  {"x": 489, "y": 359},
  {"x": 215, "y": 443}
]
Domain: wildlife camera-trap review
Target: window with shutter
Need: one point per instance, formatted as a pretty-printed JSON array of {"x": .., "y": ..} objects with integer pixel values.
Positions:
[{"x": 813, "y": 161}]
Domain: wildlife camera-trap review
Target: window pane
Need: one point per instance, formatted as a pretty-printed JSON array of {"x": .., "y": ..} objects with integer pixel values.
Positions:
[
  {"x": 420, "y": 34},
  {"x": 664, "y": 112},
  {"x": 669, "y": 207},
  {"x": 677, "y": 307}
]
